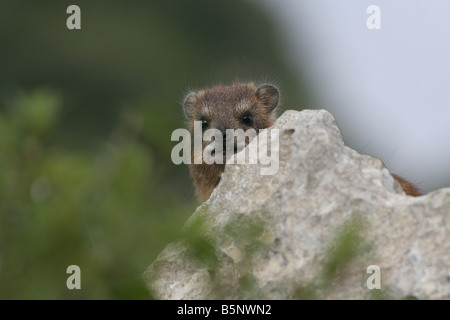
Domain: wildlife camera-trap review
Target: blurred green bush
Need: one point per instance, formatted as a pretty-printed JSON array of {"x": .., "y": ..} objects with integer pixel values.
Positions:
[{"x": 99, "y": 211}]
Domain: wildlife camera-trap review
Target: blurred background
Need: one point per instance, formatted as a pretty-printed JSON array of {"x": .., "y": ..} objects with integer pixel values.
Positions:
[
  {"x": 389, "y": 89},
  {"x": 86, "y": 116}
]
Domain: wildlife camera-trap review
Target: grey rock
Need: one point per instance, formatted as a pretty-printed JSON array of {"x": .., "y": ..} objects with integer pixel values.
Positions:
[{"x": 311, "y": 230}]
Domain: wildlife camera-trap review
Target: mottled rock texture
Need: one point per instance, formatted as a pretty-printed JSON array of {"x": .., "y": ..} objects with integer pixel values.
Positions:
[{"x": 311, "y": 230}]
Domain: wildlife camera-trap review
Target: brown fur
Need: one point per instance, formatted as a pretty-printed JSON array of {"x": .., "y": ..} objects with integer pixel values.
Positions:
[
  {"x": 223, "y": 108},
  {"x": 407, "y": 186}
]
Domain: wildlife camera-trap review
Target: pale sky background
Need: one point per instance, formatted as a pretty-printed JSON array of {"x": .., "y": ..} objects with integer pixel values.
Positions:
[{"x": 389, "y": 89}]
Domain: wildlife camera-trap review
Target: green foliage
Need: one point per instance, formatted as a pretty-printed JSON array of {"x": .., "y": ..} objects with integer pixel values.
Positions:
[
  {"x": 201, "y": 247},
  {"x": 57, "y": 208},
  {"x": 347, "y": 244},
  {"x": 245, "y": 232},
  {"x": 382, "y": 294}
]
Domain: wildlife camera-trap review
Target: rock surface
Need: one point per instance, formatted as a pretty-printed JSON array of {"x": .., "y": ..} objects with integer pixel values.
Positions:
[{"x": 311, "y": 230}]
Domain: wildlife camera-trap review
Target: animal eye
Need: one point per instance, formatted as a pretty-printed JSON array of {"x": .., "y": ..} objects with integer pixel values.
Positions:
[
  {"x": 247, "y": 119},
  {"x": 205, "y": 123}
]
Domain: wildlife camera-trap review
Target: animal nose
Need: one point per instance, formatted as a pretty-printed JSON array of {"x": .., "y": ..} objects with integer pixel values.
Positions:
[
  {"x": 224, "y": 135},
  {"x": 222, "y": 129}
]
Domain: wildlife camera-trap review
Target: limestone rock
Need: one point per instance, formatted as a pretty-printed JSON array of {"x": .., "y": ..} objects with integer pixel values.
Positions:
[{"x": 311, "y": 230}]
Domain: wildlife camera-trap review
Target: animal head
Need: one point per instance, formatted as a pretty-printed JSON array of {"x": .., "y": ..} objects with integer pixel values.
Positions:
[{"x": 238, "y": 106}]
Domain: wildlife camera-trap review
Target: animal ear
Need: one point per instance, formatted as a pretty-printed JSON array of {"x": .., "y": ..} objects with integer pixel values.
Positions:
[
  {"x": 188, "y": 105},
  {"x": 269, "y": 95}
]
